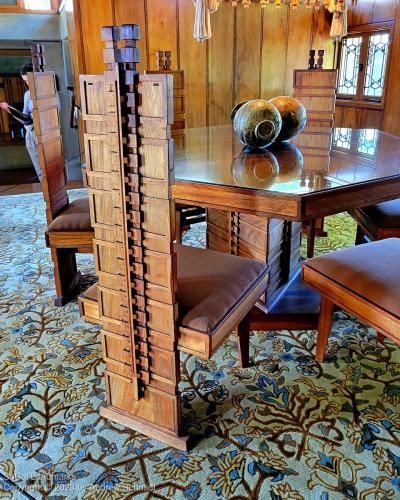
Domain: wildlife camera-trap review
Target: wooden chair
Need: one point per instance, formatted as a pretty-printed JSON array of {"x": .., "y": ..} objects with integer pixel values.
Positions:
[
  {"x": 69, "y": 230},
  {"x": 154, "y": 298},
  {"x": 316, "y": 90},
  {"x": 186, "y": 215},
  {"x": 364, "y": 281},
  {"x": 377, "y": 222}
]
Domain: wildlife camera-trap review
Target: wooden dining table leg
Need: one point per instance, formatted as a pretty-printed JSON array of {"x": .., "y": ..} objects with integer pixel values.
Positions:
[
  {"x": 178, "y": 230},
  {"x": 310, "y": 238},
  {"x": 324, "y": 327}
]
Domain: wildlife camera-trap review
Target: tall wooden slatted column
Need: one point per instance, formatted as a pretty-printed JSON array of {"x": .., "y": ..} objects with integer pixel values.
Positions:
[
  {"x": 133, "y": 217},
  {"x": 108, "y": 207}
]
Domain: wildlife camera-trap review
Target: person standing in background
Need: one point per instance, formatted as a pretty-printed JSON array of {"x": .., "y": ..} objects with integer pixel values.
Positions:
[{"x": 26, "y": 119}]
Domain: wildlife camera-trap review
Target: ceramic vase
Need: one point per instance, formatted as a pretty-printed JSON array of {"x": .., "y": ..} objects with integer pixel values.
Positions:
[
  {"x": 293, "y": 114},
  {"x": 257, "y": 123}
]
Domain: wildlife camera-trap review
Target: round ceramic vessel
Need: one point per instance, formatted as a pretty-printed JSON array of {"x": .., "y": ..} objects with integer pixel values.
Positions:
[
  {"x": 255, "y": 168},
  {"x": 294, "y": 116},
  {"x": 256, "y": 123}
]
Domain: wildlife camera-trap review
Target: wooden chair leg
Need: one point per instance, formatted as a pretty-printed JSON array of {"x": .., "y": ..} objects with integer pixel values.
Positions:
[
  {"x": 66, "y": 275},
  {"x": 243, "y": 337},
  {"x": 324, "y": 327},
  {"x": 360, "y": 237},
  {"x": 310, "y": 238},
  {"x": 380, "y": 337},
  {"x": 178, "y": 229},
  {"x": 319, "y": 228}
]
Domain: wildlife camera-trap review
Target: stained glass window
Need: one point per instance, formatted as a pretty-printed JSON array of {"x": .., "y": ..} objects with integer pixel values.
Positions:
[
  {"x": 349, "y": 65},
  {"x": 37, "y": 4},
  {"x": 376, "y": 64},
  {"x": 342, "y": 138},
  {"x": 367, "y": 140}
]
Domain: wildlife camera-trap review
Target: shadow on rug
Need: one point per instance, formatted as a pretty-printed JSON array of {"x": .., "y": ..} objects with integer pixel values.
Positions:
[{"x": 286, "y": 428}]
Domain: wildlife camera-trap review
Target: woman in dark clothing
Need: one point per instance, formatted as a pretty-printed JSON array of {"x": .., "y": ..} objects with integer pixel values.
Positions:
[{"x": 26, "y": 119}]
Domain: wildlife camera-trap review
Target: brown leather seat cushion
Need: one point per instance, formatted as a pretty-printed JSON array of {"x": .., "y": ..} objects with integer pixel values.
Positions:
[
  {"x": 385, "y": 215},
  {"x": 372, "y": 271},
  {"x": 210, "y": 285},
  {"x": 76, "y": 217}
]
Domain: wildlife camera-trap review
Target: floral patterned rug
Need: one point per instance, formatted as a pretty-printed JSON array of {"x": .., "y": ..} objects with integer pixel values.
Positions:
[{"x": 286, "y": 428}]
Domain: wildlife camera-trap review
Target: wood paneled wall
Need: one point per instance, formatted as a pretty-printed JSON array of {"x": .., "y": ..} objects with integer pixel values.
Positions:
[
  {"x": 252, "y": 52},
  {"x": 371, "y": 11}
]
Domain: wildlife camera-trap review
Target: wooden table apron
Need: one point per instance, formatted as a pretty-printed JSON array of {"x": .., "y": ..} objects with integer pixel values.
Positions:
[{"x": 286, "y": 206}]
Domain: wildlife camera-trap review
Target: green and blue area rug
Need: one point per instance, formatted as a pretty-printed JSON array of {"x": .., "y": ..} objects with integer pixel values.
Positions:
[{"x": 286, "y": 428}]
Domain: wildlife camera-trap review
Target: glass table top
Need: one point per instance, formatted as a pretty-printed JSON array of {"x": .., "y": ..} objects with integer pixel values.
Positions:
[{"x": 315, "y": 160}]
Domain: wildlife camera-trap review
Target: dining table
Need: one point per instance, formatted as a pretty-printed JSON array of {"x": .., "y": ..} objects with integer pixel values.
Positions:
[{"x": 259, "y": 201}]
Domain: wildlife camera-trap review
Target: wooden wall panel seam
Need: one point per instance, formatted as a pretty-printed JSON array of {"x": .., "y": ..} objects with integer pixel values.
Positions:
[
  {"x": 312, "y": 31},
  {"x": 207, "y": 83},
  {"x": 285, "y": 64},
  {"x": 81, "y": 40},
  {"x": 260, "y": 60},
  {"x": 146, "y": 33},
  {"x": 234, "y": 58},
  {"x": 178, "y": 36},
  {"x": 113, "y": 12}
]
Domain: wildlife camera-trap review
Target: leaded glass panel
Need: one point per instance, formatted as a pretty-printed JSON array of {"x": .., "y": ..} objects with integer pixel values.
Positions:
[
  {"x": 349, "y": 65},
  {"x": 376, "y": 64}
]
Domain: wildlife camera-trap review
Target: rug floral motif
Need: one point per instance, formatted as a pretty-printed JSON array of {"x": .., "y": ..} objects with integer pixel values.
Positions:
[{"x": 285, "y": 428}]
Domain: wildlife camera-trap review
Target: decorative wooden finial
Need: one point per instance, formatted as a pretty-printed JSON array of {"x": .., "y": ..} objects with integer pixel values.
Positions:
[
  {"x": 167, "y": 62},
  {"x": 163, "y": 60},
  {"x": 160, "y": 59},
  {"x": 128, "y": 53},
  {"x": 38, "y": 59},
  {"x": 320, "y": 63},
  {"x": 311, "y": 60}
]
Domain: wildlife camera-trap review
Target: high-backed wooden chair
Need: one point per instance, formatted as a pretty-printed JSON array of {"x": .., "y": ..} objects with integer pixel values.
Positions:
[
  {"x": 377, "y": 222},
  {"x": 316, "y": 90},
  {"x": 364, "y": 281},
  {"x": 186, "y": 215},
  {"x": 69, "y": 230},
  {"x": 155, "y": 298}
]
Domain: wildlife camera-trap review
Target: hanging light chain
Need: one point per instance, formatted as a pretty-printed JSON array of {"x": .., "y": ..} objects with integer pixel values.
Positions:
[{"x": 309, "y": 4}]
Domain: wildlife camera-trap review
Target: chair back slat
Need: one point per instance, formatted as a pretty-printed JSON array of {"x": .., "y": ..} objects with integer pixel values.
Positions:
[
  {"x": 46, "y": 122},
  {"x": 130, "y": 171}
]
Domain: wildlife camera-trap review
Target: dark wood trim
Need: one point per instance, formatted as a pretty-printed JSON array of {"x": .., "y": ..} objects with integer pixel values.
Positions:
[
  {"x": 342, "y": 198},
  {"x": 15, "y": 52},
  {"x": 372, "y": 105},
  {"x": 300, "y": 208},
  {"x": 366, "y": 28},
  {"x": 256, "y": 202}
]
